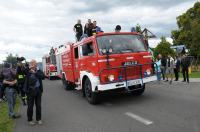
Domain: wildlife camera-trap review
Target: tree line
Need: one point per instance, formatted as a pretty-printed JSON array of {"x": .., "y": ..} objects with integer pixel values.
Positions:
[{"x": 188, "y": 33}]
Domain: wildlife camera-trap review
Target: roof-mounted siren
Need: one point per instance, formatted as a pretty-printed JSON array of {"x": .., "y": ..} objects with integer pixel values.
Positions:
[
  {"x": 147, "y": 34},
  {"x": 60, "y": 46}
]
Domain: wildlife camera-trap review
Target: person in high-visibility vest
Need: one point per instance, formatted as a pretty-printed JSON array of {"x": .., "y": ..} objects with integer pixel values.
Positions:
[
  {"x": 21, "y": 73},
  {"x": 96, "y": 29}
]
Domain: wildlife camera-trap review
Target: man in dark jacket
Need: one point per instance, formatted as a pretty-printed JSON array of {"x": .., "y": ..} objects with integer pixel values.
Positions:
[
  {"x": 177, "y": 68},
  {"x": 33, "y": 87},
  {"x": 163, "y": 65},
  {"x": 9, "y": 83},
  {"x": 185, "y": 63},
  {"x": 88, "y": 28},
  {"x": 78, "y": 29}
]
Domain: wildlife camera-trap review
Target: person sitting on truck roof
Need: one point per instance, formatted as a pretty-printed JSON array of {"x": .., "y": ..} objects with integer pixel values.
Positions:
[
  {"x": 133, "y": 29},
  {"x": 78, "y": 29},
  {"x": 96, "y": 29},
  {"x": 118, "y": 28}
]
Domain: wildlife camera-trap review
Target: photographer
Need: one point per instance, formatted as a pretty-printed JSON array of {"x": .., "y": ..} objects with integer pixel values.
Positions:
[
  {"x": 9, "y": 83},
  {"x": 33, "y": 87},
  {"x": 21, "y": 72}
]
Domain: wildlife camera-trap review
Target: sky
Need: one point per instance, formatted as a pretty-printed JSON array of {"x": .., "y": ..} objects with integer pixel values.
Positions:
[{"x": 30, "y": 28}]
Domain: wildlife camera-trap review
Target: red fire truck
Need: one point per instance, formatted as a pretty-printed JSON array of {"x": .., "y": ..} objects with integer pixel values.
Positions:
[
  {"x": 107, "y": 61},
  {"x": 49, "y": 68}
]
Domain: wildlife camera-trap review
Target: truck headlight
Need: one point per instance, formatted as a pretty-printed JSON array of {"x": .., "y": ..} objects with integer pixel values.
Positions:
[
  {"x": 111, "y": 78},
  {"x": 148, "y": 72}
]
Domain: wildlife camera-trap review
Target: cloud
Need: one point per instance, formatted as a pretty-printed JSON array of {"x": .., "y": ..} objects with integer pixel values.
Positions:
[{"x": 31, "y": 27}]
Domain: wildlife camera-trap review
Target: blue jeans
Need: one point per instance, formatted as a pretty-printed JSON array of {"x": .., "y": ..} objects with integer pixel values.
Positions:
[
  {"x": 11, "y": 99},
  {"x": 158, "y": 76}
]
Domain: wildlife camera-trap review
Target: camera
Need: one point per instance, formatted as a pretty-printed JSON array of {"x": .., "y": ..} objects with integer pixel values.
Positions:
[{"x": 20, "y": 59}]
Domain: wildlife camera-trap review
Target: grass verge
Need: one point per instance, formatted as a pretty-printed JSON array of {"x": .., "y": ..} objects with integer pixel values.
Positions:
[
  {"x": 192, "y": 75},
  {"x": 6, "y": 124}
]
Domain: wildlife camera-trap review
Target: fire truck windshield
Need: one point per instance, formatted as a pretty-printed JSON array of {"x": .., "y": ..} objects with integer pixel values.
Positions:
[{"x": 118, "y": 44}]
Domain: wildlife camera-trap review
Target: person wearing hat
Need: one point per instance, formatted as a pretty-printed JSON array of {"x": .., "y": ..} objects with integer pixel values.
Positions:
[{"x": 118, "y": 28}]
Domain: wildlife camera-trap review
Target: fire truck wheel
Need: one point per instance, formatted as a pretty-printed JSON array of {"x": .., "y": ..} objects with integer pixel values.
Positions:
[
  {"x": 67, "y": 85},
  {"x": 92, "y": 97},
  {"x": 140, "y": 91}
]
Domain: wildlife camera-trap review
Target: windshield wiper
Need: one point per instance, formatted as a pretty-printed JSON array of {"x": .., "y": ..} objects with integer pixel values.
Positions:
[{"x": 127, "y": 51}]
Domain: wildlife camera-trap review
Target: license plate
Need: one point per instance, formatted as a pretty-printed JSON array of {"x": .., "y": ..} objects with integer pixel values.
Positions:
[
  {"x": 130, "y": 63},
  {"x": 53, "y": 73},
  {"x": 135, "y": 82}
]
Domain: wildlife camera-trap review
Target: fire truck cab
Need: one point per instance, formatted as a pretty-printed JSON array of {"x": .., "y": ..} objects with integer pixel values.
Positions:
[
  {"x": 49, "y": 68},
  {"x": 107, "y": 61}
]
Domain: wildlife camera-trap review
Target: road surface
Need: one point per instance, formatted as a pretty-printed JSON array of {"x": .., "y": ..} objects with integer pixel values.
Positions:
[{"x": 162, "y": 108}]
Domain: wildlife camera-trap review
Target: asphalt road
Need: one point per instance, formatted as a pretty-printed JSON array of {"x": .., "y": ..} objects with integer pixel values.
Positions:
[{"x": 162, "y": 108}]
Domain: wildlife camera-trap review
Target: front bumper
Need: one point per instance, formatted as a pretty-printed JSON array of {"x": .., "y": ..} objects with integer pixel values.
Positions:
[
  {"x": 112, "y": 86},
  {"x": 53, "y": 74}
]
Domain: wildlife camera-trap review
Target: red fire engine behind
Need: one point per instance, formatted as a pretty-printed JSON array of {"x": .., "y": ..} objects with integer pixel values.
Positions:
[{"x": 49, "y": 69}]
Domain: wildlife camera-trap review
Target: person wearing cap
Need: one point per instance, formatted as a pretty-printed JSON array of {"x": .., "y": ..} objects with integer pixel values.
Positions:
[
  {"x": 21, "y": 72},
  {"x": 10, "y": 81},
  {"x": 118, "y": 28}
]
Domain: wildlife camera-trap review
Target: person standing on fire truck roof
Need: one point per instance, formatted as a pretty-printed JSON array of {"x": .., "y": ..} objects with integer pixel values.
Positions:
[
  {"x": 118, "y": 28},
  {"x": 88, "y": 28},
  {"x": 96, "y": 29},
  {"x": 78, "y": 29}
]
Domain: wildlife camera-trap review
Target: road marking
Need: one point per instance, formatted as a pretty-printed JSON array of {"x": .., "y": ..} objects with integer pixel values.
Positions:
[{"x": 139, "y": 118}]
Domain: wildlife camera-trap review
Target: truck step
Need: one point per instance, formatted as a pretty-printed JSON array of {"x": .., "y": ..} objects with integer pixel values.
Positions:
[{"x": 78, "y": 87}]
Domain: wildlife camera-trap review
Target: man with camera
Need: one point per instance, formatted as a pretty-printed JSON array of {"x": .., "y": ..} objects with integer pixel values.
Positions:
[
  {"x": 21, "y": 72},
  {"x": 33, "y": 87}
]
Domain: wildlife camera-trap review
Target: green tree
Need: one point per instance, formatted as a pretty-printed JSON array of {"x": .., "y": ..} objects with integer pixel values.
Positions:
[
  {"x": 188, "y": 30},
  {"x": 11, "y": 59},
  {"x": 163, "y": 48},
  {"x": 138, "y": 28}
]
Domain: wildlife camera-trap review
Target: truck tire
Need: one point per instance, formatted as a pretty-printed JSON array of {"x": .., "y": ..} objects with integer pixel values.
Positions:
[
  {"x": 91, "y": 97},
  {"x": 140, "y": 91},
  {"x": 67, "y": 85}
]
